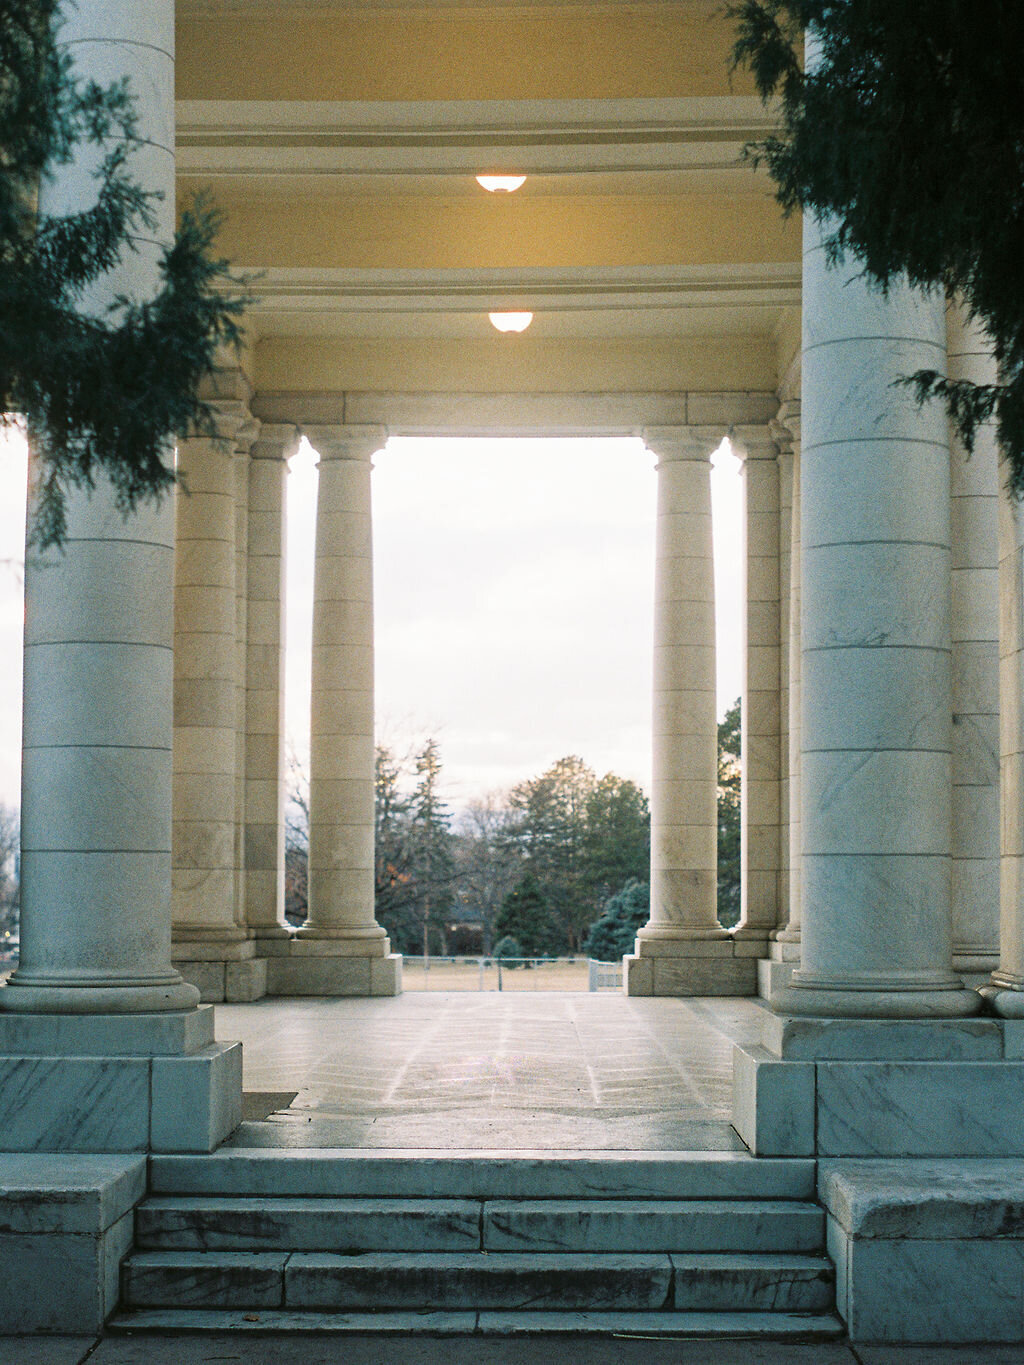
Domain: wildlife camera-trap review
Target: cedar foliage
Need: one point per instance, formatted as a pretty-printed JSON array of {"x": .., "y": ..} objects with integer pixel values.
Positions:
[
  {"x": 102, "y": 392},
  {"x": 907, "y": 139}
]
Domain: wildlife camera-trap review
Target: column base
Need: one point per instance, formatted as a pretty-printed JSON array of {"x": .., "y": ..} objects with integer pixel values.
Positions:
[
  {"x": 773, "y": 976},
  {"x": 328, "y": 972},
  {"x": 937, "y": 997},
  {"x": 696, "y": 967},
  {"x": 26, "y": 993},
  {"x": 1005, "y": 993},
  {"x": 116, "y": 1083}
]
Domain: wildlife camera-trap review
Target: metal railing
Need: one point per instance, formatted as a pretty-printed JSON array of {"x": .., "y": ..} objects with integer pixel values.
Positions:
[{"x": 509, "y": 974}]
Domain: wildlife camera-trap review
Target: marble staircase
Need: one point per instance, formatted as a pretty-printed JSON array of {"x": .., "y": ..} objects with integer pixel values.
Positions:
[{"x": 688, "y": 1244}]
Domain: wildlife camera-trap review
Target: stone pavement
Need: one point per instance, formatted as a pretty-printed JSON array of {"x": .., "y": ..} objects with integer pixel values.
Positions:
[
  {"x": 182, "y": 1349},
  {"x": 541, "y": 1071}
]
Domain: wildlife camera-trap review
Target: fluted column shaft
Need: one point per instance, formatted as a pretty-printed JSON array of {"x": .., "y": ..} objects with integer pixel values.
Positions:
[
  {"x": 341, "y": 790},
  {"x": 975, "y": 644},
  {"x": 684, "y": 793},
  {"x": 761, "y": 711},
  {"x": 876, "y": 656},
  {"x": 96, "y": 783},
  {"x": 264, "y": 674}
]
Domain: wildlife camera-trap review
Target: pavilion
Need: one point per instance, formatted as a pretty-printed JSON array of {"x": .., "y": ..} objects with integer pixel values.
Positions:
[{"x": 883, "y": 830}]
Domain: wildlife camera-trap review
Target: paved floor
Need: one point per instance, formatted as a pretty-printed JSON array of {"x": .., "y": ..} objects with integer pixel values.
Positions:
[
  {"x": 542, "y": 1071},
  {"x": 181, "y": 1349}
]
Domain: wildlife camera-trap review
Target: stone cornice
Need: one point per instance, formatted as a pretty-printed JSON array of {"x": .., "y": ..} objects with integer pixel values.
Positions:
[
  {"x": 302, "y": 137},
  {"x": 535, "y": 290}
]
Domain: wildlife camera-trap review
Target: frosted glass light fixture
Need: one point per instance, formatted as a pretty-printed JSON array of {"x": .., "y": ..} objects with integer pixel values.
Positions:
[
  {"x": 511, "y": 322},
  {"x": 500, "y": 184}
]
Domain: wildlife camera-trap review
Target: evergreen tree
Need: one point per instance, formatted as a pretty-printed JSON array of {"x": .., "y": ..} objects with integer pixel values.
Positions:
[
  {"x": 580, "y": 838},
  {"x": 906, "y": 136},
  {"x": 433, "y": 862},
  {"x": 613, "y": 934},
  {"x": 525, "y": 917},
  {"x": 394, "y": 889},
  {"x": 102, "y": 392},
  {"x": 617, "y": 840},
  {"x": 729, "y": 795}
]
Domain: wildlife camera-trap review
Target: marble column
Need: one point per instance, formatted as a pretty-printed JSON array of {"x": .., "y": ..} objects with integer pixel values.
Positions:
[
  {"x": 876, "y": 762},
  {"x": 209, "y": 926},
  {"x": 1007, "y": 989},
  {"x": 683, "y": 949},
  {"x": 96, "y": 778},
  {"x": 243, "y": 445},
  {"x": 761, "y": 710},
  {"x": 785, "y": 946},
  {"x": 264, "y": 673},
  {"x": 975, "y": 641},
  {"x": 341, "y": 929}
]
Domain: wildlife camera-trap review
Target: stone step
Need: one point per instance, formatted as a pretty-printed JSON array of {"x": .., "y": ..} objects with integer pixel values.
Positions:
[
  {"x": 354, "y": 1225},
  {"x": 768, "y": 1326},
  {"x": 515, "y": 1282},
  {"x": 477, "y": 1174}
]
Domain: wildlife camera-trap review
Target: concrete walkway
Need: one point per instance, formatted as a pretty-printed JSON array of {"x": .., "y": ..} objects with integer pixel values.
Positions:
[
  {"x": 543, "y": 1071},
  {"x": 181, "y": 1349}
]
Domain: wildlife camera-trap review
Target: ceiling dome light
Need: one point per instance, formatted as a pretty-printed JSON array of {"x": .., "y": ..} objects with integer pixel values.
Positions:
[
  {"x": 500, "y": 183},
  {"x": 511, "y": 322}
]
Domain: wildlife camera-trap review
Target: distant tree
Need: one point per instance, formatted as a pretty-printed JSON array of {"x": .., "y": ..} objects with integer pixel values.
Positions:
[
  {"x": 103, "y": 390},
  {"x": 507, "y": 948},
  {"x": 614, "y": 933},
  {"x": 431, "y": 841},
  {"x": 525, "y": 917},
  {"x": 617, "y": 842},
  {"x": 10, "y": 870},
  {"x": 486, "y": 862},
  {"x": 729, "y": 796},
  {"x": 581, "y": 839},
  {"x": 296, "y": 843},
  {"x": 906, "y": 137}
]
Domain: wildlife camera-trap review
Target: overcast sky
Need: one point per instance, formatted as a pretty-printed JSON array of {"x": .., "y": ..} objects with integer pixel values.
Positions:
[{"x": 514, "y": 595}]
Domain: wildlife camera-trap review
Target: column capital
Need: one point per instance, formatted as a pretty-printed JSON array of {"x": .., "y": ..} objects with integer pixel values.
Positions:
[
  {"x": 344, "y": 442},
  {"x": 227, "y": 419},
  {"x": 785, "y": 427},
  {"x": 276, "y": 441},
  {"x": 247, "y": 435},
  {"x": 754, "y": 442},
  {"x": 682, "y": 443}
]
